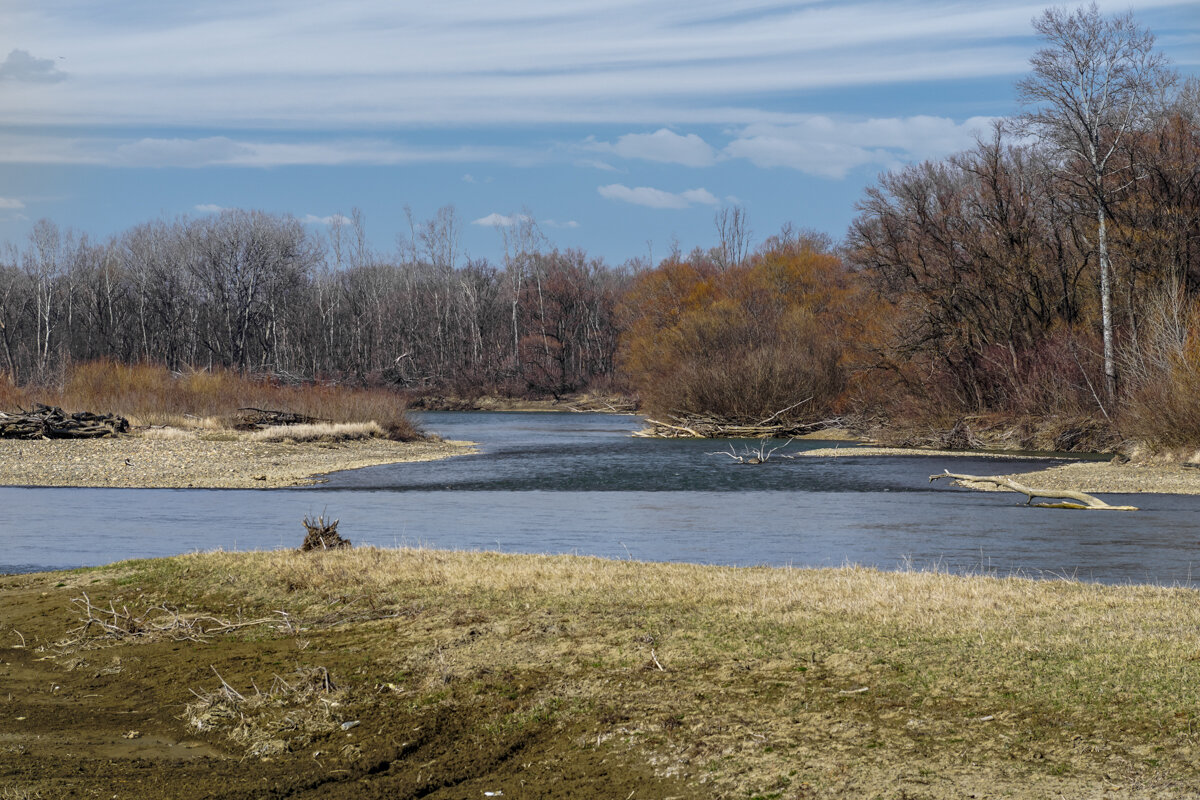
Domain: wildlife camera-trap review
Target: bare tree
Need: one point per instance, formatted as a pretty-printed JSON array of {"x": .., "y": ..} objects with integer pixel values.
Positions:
[
  {"x": 1092, "y": 85},
  {"x": 733, "y": 233}
]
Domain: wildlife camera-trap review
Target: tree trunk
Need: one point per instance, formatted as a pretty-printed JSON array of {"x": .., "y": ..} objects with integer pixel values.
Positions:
[{"x": 1110, "y": 369}]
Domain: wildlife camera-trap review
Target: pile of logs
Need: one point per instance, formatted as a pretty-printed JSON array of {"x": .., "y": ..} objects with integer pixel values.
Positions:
[
  {"x": 715, "y": 428},
  {"x": 248, "y": 419},
  {"x": 50, "y": 422}
]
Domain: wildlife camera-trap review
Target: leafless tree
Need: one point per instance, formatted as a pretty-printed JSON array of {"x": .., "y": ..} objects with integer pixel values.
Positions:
[
  {"x": 1093, "y": 84},
  {"x": 733, "y": 237}
]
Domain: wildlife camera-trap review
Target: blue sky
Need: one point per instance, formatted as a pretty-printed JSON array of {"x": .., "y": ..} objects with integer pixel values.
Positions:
[{"x": 619, "y": 126}]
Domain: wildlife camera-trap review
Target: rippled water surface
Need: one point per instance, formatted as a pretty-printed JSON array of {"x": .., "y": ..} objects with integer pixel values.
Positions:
[{"x": 578, "y": 483}]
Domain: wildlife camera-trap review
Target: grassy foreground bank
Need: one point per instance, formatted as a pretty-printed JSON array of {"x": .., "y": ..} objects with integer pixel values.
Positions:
[{"x": 415, "y": 673}]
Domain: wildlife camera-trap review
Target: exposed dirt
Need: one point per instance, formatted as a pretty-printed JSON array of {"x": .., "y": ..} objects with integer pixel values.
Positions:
[{"x": 111, "y": 722}]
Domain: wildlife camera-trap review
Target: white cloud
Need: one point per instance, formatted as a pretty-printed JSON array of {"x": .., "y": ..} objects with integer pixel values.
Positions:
[
  {"x": 828, "y": 147},
  {"x": 22, "y": 66},
  {"x": 10, "y": 203},
  {"x": 657, "y": 198},
  {"x": 664, "y": 146},
  {"x": 495, "y": 220},
  {"x": 549, "y": 223},
  {"x": 313, "y": 219},
  {"x": 209, "y": 208}
]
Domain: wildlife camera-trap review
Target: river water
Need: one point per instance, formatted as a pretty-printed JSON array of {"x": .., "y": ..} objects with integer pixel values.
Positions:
[{"x": 579, "y": 483}]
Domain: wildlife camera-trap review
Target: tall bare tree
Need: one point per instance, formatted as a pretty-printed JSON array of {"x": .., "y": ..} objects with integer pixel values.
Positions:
[{"x": 1093, "y": 84}]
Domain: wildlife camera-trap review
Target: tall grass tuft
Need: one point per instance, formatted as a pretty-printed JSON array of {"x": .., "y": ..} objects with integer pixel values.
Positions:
[{"x": 1163, "y": 376}]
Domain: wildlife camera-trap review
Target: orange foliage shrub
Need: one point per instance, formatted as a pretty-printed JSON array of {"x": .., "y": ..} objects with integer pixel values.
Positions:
[{"x": 745, "y": 342}]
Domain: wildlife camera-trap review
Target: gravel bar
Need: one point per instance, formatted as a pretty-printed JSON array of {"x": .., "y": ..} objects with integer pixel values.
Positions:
[{"x": 200, "y": 463}]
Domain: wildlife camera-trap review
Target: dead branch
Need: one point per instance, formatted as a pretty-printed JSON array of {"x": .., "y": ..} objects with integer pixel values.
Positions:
[
  {"x": 155, "y": 622},
  {"x": 751, "y": 456},
  {"x": 682, "y": 428},
  {"x": 1082, "y": 500},
  {"x": 785, "y": 410}
]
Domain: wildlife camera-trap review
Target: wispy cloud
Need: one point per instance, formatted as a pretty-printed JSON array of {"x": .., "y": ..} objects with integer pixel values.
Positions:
[
  {"x": 657, "y": 198},
  {"x": 22, "y": 66},
  {"x": 829, "y": 147},
  {"x": 310, "y": 63},
  {"x": 663, "y": 145},
  {"x": 11, "y": 204},
  {"x": 332, "y": 219},
  {"x": 495, "y": 220},
  {"x": 209, "y": 208},
  {"x": 20, "y": 148}
]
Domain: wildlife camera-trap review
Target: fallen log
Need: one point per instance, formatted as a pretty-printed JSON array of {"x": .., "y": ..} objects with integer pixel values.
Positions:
[{"x": 1082, "y": 500}]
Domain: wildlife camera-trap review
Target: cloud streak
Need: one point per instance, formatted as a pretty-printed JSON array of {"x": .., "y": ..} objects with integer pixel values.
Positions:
[
  {"x": 831, "y": 148},
  {"x": 657, "y": 198},
  {"x": 307, "y": 63}
]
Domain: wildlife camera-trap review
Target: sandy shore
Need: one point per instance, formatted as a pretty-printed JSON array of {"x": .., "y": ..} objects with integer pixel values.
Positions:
[
  {"x": 1097, "y": 477},
  {"x": 197, "y": 462}
]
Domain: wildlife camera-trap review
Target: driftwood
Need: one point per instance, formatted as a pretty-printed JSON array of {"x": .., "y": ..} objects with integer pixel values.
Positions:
[
  {"x": 51, "y": 422},
  {"x": 750, "y": 455},
  {"x": 250, "y": 418},
  {"x": 707, "y": 427},
  {"x": 1082, "y": 500}
]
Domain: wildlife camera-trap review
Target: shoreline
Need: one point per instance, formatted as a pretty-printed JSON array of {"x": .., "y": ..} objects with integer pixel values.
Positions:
[
  {"x": 1083, "y": 475},
  {"x": 199, "y": 462}
]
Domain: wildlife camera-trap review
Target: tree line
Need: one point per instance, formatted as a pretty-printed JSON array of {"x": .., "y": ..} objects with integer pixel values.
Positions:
[
  {"x": 260, "y": 292},
  {"x": 1052, "y": 269}
]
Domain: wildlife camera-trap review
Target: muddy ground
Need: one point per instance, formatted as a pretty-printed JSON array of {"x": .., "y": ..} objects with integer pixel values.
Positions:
[{"x": 112, "y": 722}]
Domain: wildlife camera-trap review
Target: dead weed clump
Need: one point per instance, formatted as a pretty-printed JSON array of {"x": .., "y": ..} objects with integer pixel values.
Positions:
[
  {"x": 289, "y": 715},
  {"x": 322, "y": 535},
  {"x": 100, "y": 626},
  {"x": 330, "y": 432}
]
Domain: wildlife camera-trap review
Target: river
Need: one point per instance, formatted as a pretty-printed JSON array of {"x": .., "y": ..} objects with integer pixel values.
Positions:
[{"x": 579, "y": 483}]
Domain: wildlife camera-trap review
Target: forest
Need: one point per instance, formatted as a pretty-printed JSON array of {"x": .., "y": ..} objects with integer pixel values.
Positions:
[{"x": 1051, "y": 272}]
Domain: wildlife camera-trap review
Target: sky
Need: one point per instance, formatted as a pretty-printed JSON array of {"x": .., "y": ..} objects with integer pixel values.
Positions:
[{"x": 621, "y": 127}]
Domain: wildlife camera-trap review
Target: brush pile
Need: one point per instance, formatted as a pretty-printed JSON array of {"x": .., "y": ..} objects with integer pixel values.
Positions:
[
  {"x": 715, "y": 428},
  {"x": 250, "y": 419},
  {"x": 322, "y": 535},
  {"x": 51, "y": 422}
]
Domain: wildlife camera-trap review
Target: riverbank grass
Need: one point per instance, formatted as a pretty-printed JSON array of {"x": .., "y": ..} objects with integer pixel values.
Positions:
[{"x": 700, "y": 681}]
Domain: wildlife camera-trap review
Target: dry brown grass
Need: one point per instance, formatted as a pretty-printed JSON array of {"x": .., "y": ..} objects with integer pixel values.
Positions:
[
  {"x": 318, "y": 432},
  {"x": 153, "y": 395},
  {"x": 763, "y": 682}
]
